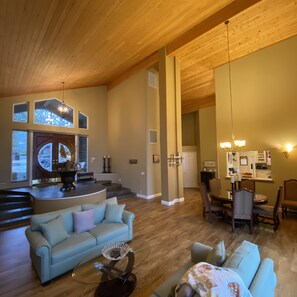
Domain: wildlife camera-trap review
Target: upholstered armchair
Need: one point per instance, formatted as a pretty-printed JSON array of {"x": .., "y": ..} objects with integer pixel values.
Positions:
[
  {"x": 208, "y": 207},
  {"x": 290, "y": 196},
  {"x": 267, "y": 215},
  {"x": 242, "y": 207}
]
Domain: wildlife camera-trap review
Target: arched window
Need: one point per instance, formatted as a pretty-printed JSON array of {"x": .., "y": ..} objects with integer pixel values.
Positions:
[{"x": 47, "y": 113}]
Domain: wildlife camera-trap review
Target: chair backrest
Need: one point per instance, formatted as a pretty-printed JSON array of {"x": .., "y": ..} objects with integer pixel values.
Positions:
[
  {"x": 277, "y": 202},
  {"x": 204, "y": 197},
  {"x": 243, "y": 204},
  {"x": 248, "y": 184},
  {"x": 215, "y": 185},
  {"x": 290, "y": 189}
]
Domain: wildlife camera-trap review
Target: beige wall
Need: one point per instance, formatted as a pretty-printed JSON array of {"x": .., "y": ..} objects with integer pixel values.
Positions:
[
  {"x": 189, "y": 129},
  {"x": 153, "y": 123},
  {"x": 265, "y": 105},
  {"x": 129, "y": 122},
  {"x": 191, "y": 136},
  {"x": 90, "y": 101},
  {"x": 208, "y": 135},
  {"x": 200, "y": 128}
]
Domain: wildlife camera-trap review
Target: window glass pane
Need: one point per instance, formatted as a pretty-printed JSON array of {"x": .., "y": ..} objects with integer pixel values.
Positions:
[
  {"x": 82, "y": 121},
  {"x": 83, "y": 152},
  {"x": 20, "y": 112},
  {"x": 47, "y": 112},
  {"x": 19, "y": 155},
  {"x": 64, "y": 153},
  {"x": 45, "y": 157}
]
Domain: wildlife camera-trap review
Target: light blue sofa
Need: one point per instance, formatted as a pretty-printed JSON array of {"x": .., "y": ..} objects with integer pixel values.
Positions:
[
  {"x": 258, "y": 276},
  {"x": 51, "y": 261}
]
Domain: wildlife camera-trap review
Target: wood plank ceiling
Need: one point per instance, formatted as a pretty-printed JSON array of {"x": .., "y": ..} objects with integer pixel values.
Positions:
[{"x": 90, "y": 42}]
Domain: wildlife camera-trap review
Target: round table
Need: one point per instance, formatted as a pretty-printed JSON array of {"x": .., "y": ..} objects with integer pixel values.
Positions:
[{"x": 115, "y": 277}]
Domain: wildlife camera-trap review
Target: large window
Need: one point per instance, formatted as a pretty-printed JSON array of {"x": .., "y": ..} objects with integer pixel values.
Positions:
[
  {"x": 19, "y": 155},
  {"x": 82, "y": 121},
  {"x": 20, "y": 112},
  {"x": 47, "y": 112},
  {"x": 83, "y": 152}
]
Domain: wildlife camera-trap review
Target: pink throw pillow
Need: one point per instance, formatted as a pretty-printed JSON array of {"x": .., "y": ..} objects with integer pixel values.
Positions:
[{"x": 83, "y": 221}]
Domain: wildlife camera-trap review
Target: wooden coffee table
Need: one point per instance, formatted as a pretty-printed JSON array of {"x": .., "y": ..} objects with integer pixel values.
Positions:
[{"x": 115, "y": 278}]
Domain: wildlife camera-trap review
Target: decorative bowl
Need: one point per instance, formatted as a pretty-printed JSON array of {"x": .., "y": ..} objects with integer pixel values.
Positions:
[{"x": 116, "y": 251}]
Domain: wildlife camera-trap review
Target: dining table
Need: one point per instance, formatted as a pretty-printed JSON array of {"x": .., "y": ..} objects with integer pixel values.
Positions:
[{"x": 225, "y": 197}]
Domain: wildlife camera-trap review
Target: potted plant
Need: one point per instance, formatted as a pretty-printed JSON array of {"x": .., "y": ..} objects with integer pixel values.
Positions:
[{"x": 68, "y": 155}]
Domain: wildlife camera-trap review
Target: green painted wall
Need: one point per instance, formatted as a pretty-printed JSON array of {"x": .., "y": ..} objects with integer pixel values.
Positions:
[{"x": 264, "y": 105}]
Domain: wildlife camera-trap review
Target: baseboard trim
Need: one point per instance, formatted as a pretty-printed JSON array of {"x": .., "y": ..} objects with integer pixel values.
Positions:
[
  {"x": 149, "y": 196},
  {"x": 172, "y": 202}
]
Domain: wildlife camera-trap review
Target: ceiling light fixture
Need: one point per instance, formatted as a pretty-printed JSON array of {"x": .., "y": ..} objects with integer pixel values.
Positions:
[
  {"x": 235, "y": 144},
  {"x": 63, "y": 109}
]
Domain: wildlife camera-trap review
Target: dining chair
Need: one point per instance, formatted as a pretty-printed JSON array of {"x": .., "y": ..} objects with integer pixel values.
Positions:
[
  {"x": 290, "y": 195},
  {"x": 266, "y": 215},
  {"x": 248, "y": 184},
  {"x": 215, "y": 185},
  {"x": 242, "y": 207},
  {"x": 208, "y": 207}
]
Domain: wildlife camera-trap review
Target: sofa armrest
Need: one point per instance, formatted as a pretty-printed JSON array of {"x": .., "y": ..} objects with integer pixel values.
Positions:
[
  {"x": 264, "y": 282},
  {"x": 37, "y": 240},
  {"x": 40, "y": 253},
  {"x": 199, "y": 252},
  {"x": 128, "y": 218}
]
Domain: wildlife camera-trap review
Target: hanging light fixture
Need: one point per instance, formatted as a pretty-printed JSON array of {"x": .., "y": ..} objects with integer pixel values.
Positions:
[
  {"x": 235, "y": 144},
  {"x": 63, "y": 109}
]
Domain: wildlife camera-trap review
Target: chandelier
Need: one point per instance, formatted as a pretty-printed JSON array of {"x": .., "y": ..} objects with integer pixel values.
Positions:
[
  {"x": 234, "y": 144},
  {"x": 63, "y": 109}
]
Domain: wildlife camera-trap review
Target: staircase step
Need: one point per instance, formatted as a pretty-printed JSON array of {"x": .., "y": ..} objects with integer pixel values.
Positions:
[
  {"x": 122, "y": 193},
  {"x": 13, "y": 198},
  {"x": 104, "y": 182},
  {"x": 14, "y": 205},
  {"x": 15, "y": 213},
  {"x": 15, "y": 222}
]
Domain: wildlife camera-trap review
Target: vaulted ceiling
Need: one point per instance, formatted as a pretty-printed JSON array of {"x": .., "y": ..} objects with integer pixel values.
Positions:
[{"x": 89, "y": 42}]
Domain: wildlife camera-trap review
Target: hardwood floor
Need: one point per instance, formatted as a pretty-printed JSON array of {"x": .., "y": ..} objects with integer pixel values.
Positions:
[{"x": 169, "y": 231}]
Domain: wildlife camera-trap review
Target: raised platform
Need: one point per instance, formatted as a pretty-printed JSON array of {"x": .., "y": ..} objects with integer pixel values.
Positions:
[{"x": 50, "y": 198}]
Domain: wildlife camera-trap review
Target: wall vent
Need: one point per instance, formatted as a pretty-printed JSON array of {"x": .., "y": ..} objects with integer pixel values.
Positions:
[
  {"x": 153, "y": 136},
  {"x": 152, "y": 79}
]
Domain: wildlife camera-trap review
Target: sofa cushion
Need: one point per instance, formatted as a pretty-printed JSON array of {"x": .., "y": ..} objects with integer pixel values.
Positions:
[
  {"x": 66, "y": 214},
  {"x": 217, "y": 255},
  {"x": 112, "y": 200},
  {"x": 99, "y": 210},
  {"x": 245, "y": 261},
  {"x": 114, "y": 213},
  {"x": 54, "y": 231},
  {"x": 83, "y": 220},
  {"x": 106, "y": 232},
  {"x": 72, "y": 246}
]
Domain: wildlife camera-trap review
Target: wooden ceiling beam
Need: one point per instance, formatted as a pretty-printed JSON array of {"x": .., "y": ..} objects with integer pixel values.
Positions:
[{"x": 214, "y": 20}]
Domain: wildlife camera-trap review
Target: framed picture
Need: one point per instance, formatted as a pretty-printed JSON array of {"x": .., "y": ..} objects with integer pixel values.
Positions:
[
  {"x": 156, "y": 158},
  {"x": 243, "y": 160}
]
